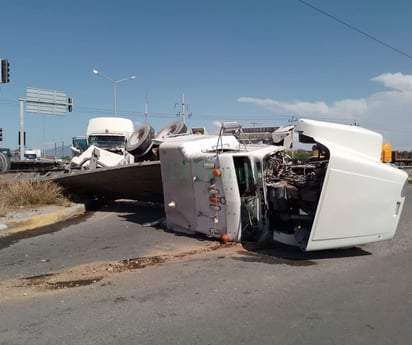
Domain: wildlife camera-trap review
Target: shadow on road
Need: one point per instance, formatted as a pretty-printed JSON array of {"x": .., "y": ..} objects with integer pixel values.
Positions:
[
  {"x": 285, "y": 252},
  {"x": 151, "y": 214},
  {"x": 146, "y": 214}
]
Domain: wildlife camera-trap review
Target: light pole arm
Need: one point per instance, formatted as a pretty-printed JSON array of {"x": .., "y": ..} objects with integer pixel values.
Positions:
[
  {"x": 124, "y": 79},
  {"x": 98, "y": 73}
]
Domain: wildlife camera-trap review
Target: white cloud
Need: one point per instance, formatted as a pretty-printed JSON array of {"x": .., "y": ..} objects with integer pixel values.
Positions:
[
  {"x": 397, "y": 81},
  {"x": 387, "y": 112}
]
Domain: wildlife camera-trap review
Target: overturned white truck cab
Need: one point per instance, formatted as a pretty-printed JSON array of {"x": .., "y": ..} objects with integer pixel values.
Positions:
[{"x": 344, "y": 196}]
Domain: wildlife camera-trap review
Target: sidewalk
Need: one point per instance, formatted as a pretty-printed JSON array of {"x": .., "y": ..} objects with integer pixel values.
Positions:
[{"x": 29, "y": 219}]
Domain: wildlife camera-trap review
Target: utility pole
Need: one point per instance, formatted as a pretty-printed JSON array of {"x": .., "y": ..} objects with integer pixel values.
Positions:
[
  {"x": 21, "y": 132},
  {"x": 146, "y": 102},
  {"x": 292, "y": 122},
  {"x": 182, "y": 113}
]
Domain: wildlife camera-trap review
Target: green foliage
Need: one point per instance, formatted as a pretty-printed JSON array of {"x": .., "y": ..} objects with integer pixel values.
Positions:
[{"x": 300, "y": 154}]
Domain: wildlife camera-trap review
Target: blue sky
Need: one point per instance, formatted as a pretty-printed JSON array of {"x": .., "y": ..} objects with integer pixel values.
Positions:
[{"x": 253, "y": 61}]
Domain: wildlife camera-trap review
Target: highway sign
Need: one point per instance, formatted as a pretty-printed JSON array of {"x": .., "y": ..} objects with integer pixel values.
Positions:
[{"x": 46, "y": 101}]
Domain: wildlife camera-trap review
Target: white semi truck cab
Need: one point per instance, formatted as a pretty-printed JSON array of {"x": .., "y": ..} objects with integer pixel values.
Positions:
[
  {"x": 345, "y": 196},
  {"x": 109, "y": 133},
  {"x": 104, "y": 144}
]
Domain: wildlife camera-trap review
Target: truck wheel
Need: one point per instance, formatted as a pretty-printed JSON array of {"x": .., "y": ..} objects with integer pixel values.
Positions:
[
  {"x": 4, "y": 162},
  {"x": 140, "y": 141},
  {"x": 177, "y": 127}
]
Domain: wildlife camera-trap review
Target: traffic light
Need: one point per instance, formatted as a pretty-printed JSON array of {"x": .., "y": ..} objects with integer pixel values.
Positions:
[
  {"x": 5, "y": 71},
  {"x": 24, "y": 138},
  {"x": 1, "y": 134},
  {"x": 69, "y": 104}
]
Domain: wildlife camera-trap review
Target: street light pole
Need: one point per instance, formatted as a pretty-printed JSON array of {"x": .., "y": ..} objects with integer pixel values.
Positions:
[
  {"x": 115, "y": 97},
  {"x": 115, "y": 82}
]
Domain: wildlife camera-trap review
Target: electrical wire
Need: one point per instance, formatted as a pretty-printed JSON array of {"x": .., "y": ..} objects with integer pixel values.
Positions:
[
  {"x": 162, "y": 115},
  {"x": 387, "y": 45}
]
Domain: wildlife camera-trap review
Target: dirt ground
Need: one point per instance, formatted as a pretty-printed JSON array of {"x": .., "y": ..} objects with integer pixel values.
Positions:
[{"x": 97, "y": 273}]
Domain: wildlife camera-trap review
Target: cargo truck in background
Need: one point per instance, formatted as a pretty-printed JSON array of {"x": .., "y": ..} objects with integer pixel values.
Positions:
[
  {"x": 345, "y": 196},
  {"x": 32, "y": 154}
]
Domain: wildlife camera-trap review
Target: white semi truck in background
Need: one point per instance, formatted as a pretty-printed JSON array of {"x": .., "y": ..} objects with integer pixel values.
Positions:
[
  {"x": 109, "y": 133},
  {"x": 113, "y": 141},
  {"x": 104, "y": 144},
  {"x": 32, "y": 154},
  {"x": 344, "y": 196}
]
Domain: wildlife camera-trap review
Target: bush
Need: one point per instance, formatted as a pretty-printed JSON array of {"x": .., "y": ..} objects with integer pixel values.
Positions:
[{"x": 26, "y": 193}]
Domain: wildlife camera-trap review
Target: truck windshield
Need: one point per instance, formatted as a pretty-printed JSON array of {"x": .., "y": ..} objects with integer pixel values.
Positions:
[
  {"x": 106, "y": 141},
  {"x": 30, "y": 156},
  {"x": 80, "y": 144}
]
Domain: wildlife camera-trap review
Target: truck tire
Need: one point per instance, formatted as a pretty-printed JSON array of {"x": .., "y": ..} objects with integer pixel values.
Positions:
[
  {"x": 177, "y": 127},
  {"x": 4, "y": 162},
  {"x": 140, "y": 141}
]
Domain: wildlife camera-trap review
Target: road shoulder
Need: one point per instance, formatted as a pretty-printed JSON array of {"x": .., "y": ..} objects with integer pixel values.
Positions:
[{"x": 18, "y": 221}]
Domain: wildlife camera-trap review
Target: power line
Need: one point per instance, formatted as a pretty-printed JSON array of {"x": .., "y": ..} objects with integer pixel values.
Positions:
[
  {"x": 201, "y": 117},
  {"x": 387, "y": 45},
  {"x": 100, "y": 111}
]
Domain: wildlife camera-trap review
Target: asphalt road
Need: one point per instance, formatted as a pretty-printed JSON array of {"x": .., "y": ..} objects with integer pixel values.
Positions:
[
  {"x": 115, "y": 232},
  {"x": 229, "y": 295}
]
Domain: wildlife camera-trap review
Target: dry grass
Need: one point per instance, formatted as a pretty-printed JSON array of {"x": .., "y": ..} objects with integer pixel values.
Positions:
[{"x": 27, "y": 193}]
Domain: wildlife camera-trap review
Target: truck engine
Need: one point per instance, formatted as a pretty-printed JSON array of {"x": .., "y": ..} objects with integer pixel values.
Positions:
[{"x": 292, "y": 192}]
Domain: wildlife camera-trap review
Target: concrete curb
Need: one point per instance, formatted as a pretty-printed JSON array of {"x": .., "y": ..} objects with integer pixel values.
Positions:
[{"x": 11, "y": 227}]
